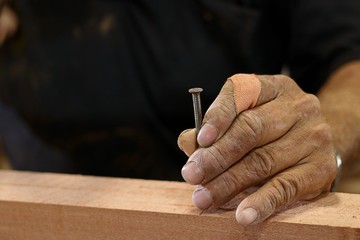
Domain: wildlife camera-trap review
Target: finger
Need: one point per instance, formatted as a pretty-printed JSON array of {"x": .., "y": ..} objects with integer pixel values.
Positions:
[
  {"x": 239, "y": 93},
  {"x": 285, "y": 188},
  {"x": 187, "y": 141},
  {"x": 251, "y": 129},
  {"x": 259, "y": 165}
]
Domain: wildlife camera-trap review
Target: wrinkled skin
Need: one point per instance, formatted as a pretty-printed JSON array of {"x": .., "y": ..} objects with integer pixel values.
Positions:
[{"x": 282, "y": 144}]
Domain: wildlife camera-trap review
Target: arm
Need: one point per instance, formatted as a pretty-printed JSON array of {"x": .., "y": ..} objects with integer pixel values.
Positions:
[{"x": 340, "y": 101}]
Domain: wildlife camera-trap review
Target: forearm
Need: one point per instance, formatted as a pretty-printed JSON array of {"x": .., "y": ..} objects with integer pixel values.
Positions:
[{"x": 340, "y": 99}]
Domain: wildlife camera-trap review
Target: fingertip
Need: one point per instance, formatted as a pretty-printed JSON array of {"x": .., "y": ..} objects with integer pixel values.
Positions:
[
  {"x": 207, "y": 135},
  {"x": 192, "y": 173},
  {"x": 202, "y": 198},
  {"x": 187, "y": 141},
  {"x": 247, "y": 216},
  {"x": 256, "y": 207}
]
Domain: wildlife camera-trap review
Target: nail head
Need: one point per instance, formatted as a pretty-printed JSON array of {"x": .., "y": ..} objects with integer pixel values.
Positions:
[{"x": 195, "y": 90}]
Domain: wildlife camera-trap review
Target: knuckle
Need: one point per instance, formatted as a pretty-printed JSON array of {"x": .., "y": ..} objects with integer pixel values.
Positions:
[
  {"x": 284, "y": 191},
  {"x": 286, "y": 81},
  {"x": 328, "y": 169},
  {"x": 261, "y": 163},
  {"x": 213, "y": 161},
  {"x": 250, "y": 125},
  {"x": 224, "y": 108},
  {"x": 225, "y": 188},
  {"x": 307, "y": 105},
  {"x": 321, "y": 134},
  {"x": 284, "y": 78},
  {"x": 222, "y": 111}
]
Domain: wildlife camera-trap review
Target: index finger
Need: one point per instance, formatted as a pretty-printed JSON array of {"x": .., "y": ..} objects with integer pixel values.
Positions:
[{"x": 239, "y": 93}]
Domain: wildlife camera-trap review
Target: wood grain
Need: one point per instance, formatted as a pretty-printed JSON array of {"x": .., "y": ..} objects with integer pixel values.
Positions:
[{"x": 58, "y": 206}]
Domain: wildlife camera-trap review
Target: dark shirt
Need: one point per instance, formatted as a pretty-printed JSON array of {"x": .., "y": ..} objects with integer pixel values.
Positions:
[{"x": 105, "y": 82}]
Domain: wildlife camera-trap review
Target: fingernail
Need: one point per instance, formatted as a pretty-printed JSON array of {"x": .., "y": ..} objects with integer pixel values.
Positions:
[
  {"x": 192, "y": 173},
  {"x": 207, "y": 135},
  {"x": 246, "y": 216},
  {"x": 202, "y": 198}
]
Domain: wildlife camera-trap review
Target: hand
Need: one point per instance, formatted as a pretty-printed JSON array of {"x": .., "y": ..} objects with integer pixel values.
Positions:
[{"x": 260, "y": 130}]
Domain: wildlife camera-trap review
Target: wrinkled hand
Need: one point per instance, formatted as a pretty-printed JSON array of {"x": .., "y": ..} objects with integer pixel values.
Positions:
[{"x": 259, "y": 130}]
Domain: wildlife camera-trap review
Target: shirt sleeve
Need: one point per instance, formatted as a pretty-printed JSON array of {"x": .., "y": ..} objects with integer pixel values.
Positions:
[{"x": 324, "y": 34}]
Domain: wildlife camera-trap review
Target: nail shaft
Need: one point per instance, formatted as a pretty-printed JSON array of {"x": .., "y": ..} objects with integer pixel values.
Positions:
[{"x": 195, "y": 92}]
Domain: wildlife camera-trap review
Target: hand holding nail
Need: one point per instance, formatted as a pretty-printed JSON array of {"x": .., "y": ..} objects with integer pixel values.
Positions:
[{"x": 259, "y": 130}]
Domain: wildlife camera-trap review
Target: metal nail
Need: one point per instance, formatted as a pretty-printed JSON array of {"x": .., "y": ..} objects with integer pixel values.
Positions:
[{"x": 195, "y": 92}]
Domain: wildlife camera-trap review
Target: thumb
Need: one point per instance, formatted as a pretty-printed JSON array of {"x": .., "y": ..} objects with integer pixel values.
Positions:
[{"x": 187, "y": 141}]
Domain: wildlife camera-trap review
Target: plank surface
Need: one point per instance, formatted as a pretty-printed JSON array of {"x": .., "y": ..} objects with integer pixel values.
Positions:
[{"x": 58, "y": 206}]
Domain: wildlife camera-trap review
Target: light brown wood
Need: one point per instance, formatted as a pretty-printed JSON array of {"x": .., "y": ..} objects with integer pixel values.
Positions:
[{"x": 58, "y": 206}]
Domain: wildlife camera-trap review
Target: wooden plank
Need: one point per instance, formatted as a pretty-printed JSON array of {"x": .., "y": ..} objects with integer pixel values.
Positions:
[{"x": 59, "y": 206}]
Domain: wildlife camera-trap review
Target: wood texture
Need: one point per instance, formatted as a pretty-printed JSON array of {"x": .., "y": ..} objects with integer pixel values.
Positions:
[{"x": 58, "y": 206}]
